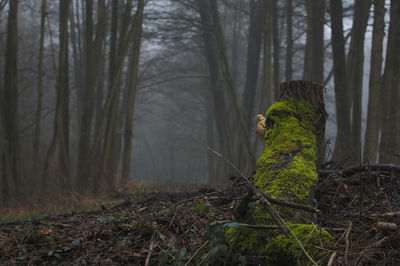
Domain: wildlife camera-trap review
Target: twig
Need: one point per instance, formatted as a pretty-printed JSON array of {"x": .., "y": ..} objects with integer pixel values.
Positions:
[
  {"x": 281, "y": 223},
  {"x": 274, "y": 214},
  {"x": 293, "y": 205},
  {"x": 197, "y": 251},
  {"x": 387, "y": 226},
  {"x": 332, "y": 259},
  {"x": 386, "y": 215},
  {"x": 347, "y": 244},
  {"x": 152, "y": 244},
  {"x": 254, "y": 226}
]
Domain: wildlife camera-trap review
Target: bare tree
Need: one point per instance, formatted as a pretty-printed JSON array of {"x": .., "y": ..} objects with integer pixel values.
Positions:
[
  {"x": 390, "y": 139},
  {"x": 38, "y": 118},
  {"x": 343, "y": 138},
  {"x": 137, "y": 34},
  {"x": 314, "y": 59},
  {"x": 60, "y": 137},
  {"x": 9, "y": 105},
  {"x": 375, "y": 89},
  {"x": 355, "y": 68}
]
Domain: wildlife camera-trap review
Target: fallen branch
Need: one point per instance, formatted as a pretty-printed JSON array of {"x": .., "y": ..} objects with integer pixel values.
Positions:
[
  {"x": 387, "y": 226},
  {"x": 152, "y": 244},
  {"x": 346, "y": 254},
  {"x": 254, "y": 226},
  {"x": 386, "y": 215},
  {"x": 293, "y": 205},
  {"x": 361, "y": 168}
]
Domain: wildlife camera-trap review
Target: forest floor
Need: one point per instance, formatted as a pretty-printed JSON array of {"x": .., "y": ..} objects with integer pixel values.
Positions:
[{"x": 361, "y": 211}]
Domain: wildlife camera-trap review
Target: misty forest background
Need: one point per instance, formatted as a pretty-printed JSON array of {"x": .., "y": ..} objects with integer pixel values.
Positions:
[{"x": 94, "y": 94}]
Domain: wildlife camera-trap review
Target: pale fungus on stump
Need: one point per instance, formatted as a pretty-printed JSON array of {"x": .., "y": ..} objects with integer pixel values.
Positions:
[{"x": 293, "y": 136}]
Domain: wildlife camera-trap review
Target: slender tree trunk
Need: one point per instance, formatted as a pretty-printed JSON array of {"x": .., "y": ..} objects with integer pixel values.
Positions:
[
  {"x": 235, "y": 41},
  {"x": 63, "y": 97},
  {"x": 375, "y": 79},
  {"x": 267, "y": 98},
  {"x": 289, "y": 39},
  {"x": 220, "y": 109},
  {"x": 211, "y": 162},
  {"x": 355, "y": 67},
  {"x": 389, "y": 145},
  {"x": 137, "y": 34},
  {"x": 314, "y": 59},
  {"x": 10, "y": 154},
  {"x": 343, "y": 137},
  {"x": 77, "y": 60},
  {"x": 375, "y": 89},
  {"x": 253, "y": 61},
  {"x": 93, "y": 55},
  {"x": 276, "y": 44},
  {"x": 36, "y": 141},
  {"x": 111, "y": 150},
  {"x": 229, "y": 89}
]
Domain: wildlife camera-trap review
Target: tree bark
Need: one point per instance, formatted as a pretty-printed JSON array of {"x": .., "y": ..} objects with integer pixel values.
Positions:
[
  {"x": 314, "y": 59},
  {"x": 229, "y": 89},
  {"x": 354, "y": 68},
  {"x": 137, "y": 34},
  {"x": 289, "y": 39},
  {"x": 10, "y": 153},
  {"x": 218, "y": 101},
  {"x": 268, "y": 93},
  {"x": 390, "y": 143},
  {"x": 375, "y": 90},
  {"x": 38, "y": 115},
  {"x": 60, "y": 137},
  {"x": 253, "y": 60},
  {"x": 277, "y": 47},
  {"x": 343, "y": 137},
  {"x": 93, "y": 53}
]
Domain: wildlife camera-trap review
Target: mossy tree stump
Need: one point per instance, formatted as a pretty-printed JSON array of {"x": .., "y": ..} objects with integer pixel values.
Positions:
[{"x": 287, "y": 170}]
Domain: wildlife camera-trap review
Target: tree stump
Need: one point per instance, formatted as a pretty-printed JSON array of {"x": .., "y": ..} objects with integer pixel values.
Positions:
[{"x": 287, "y": 170}]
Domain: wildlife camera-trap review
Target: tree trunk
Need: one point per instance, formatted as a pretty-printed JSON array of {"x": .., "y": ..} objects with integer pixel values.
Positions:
[
  {"x": 112, "y": 142},
  {"x": 390, "y": 145},
  {"x": 314, "y": 59},
  {"x": 220, "y": 109},
  {"x": 63, "y": 97},
  {"x": 253, "y": 61},
  {"x": 354, "y": 68},
  {"x": 268, "y": 93},
  {"x": 10, "y": 153},
  {"x": 93, "y": 56},
  {"x": 289, "y": 39},
  {"x": 375, "y": 79},
  {"x": 343, "y": 137},
  {"x": 137, "y": 33},
  {"x": 287, "y": 169},
  {"x": 277, "y": 46},
  {"x": 38, "y": 115},
  {"x": 229, "y": 89}
]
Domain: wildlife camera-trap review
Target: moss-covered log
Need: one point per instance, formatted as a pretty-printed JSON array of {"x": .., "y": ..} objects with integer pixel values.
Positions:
[{"x": 287, "y": 170}]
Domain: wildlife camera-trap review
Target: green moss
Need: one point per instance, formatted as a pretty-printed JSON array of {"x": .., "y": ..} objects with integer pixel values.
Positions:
[
  {"x": 287, "y": 168},
  {"x": 247, "y": 240},
  {"x": 287, "y": 247}
]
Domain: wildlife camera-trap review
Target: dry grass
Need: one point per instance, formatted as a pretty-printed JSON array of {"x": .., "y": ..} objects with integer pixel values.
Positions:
[{"x": 76, "y": 203}]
